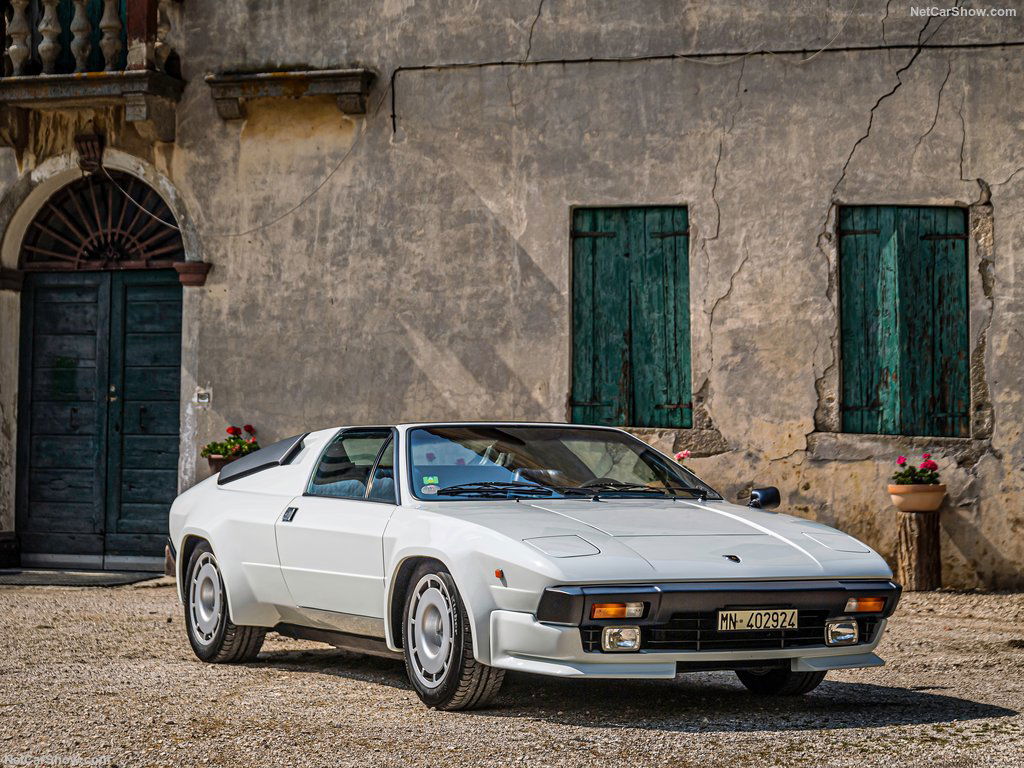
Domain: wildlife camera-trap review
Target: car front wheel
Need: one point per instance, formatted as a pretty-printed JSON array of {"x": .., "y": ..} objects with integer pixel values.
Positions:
[
  {"x": 438, "y": 645},
  {"x": 213, "y": 636},
  {"x": 779, "y": 682}
]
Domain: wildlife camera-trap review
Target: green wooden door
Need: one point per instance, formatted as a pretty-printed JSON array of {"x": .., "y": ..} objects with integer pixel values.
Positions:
[
  {"x": 904, "y": 315},
  {"x": 98, "y": 423},
  {"x": 62, "y": 423},
  {"x": 631, "y": 317},
  {"x": 142, "y": 412}
]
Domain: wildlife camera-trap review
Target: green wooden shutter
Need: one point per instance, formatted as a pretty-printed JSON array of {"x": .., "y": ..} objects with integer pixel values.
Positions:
[
  {"x": 904, "y": 320},
  {"x": 631, "y": 317},
  {"x": 660, "y": 306},
  {"x": 601, "y": 376}
]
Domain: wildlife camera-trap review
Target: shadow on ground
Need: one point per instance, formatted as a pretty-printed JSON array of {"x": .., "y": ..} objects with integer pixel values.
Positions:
[{"x": 705, "y": 702}]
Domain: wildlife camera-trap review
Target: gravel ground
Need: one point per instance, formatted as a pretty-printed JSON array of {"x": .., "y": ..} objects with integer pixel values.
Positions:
[{"x": 105, "y": 676}]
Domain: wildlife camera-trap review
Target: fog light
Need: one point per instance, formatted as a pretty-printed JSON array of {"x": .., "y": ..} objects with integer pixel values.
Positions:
[
  {"x": 841, "y": 632},
  {"x": 620, "y": 639},
  {"x": 865, "y": 605},
  {"x": 617, "y": 611}
]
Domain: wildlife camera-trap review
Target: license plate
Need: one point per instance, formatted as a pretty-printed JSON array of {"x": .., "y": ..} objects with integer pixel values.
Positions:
[{"x": 735, "y": 621}]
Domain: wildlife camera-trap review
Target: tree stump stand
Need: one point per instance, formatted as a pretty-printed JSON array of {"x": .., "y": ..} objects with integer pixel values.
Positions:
[{"x": 918, "y": 561}]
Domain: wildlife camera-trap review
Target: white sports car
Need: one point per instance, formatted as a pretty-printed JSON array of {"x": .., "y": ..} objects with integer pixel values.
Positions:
[{"x": 475, "y": 548}]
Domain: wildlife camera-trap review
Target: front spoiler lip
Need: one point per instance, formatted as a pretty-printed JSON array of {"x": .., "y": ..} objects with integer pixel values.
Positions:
[
  {"x": 520, "y": 642},
  {"x": 570, "y": 605}
]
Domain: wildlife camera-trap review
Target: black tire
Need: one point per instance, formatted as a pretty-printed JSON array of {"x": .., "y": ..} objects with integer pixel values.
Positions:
[
  {"x": 463, "y": 683},
  {"x": 779, "y": 682},
  {"x": 224, "y": 642}
]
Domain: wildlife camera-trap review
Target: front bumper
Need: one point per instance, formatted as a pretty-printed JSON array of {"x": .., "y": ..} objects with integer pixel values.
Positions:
[{"x": 678, "y": 630}]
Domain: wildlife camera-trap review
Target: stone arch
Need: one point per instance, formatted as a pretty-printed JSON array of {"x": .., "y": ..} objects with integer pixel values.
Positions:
[
  {"x": 26, "y": 198},
  {"x": 19, "y": 206}
]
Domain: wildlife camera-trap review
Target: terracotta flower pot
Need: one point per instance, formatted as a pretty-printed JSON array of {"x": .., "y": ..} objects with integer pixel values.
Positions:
[
  {"x": 917, "y": 498},
  {"x": 217, "y": 463}
]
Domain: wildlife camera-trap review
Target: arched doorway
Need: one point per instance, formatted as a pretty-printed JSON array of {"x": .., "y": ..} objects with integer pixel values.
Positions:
[{"x": 100, "y": 371}]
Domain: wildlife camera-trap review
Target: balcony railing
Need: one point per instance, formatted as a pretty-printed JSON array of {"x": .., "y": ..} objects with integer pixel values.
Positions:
[
  {"x": 63, "y": 36},
  {"x": 86, "y": 54}
]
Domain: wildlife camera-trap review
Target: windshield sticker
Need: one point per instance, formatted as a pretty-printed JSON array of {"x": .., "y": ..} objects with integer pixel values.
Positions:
[
  {"x": 430, "y": 490},
  {"x": 431, "y": 480}
]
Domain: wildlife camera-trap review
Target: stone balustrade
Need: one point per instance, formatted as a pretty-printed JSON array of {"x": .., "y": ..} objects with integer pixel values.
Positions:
[
  {"x": 46, "y": 17},
  {"x": 90, "y": 55}
]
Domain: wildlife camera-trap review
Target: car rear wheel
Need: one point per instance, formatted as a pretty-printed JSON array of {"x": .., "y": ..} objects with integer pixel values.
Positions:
[
  {"x": 779, "y": 682},
  {"x": 438, "y": 645},
  {"x": 213, "y": 636}
]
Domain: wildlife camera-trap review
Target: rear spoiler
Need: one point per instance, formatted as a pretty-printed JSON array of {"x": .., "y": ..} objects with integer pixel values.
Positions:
[{"x": 275, "y": 455}]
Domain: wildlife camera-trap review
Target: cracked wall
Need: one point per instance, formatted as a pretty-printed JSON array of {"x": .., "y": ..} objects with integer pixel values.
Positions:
[{"x": 429, "y": 276}]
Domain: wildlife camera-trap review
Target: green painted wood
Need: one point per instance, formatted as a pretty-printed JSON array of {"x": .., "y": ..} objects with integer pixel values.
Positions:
[
  {"x": 601, "y": 318},
  {"x": 904, "y": 321},
  {"x": 98, "y": 467},
  {"x": 660, "y": 305},
  {"x": 142, "y": 472},
  {"x": 631, "y": 317},
  {"x": 582, "y": 320},
  {"x": 951, "y": 409},
  {"x": 61, "y": 434},
  {"x": 152, "y": 383}
]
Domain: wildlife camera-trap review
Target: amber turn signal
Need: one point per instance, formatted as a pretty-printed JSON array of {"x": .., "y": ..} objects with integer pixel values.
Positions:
[
  {"x": 616, "y": 610},
  {"x": 865, "y": 605}
]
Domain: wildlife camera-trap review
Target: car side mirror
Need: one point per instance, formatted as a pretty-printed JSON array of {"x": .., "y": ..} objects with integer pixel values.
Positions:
[{"x": 765, "y": 498}]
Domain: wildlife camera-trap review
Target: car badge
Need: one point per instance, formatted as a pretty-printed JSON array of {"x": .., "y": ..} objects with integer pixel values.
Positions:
[{"x": 733, "y": 558}]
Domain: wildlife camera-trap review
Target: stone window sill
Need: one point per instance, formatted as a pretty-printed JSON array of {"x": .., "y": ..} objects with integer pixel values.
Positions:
[{"x": 230, "y": 90}]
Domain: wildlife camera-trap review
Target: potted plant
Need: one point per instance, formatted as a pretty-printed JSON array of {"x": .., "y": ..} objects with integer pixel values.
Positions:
[
  {"x": 917, "y": 489},
  {"x": 221, "y": 452}
]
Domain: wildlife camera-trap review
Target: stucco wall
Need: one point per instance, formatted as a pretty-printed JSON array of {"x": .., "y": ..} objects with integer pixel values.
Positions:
[{"x": 429, "y": 276}]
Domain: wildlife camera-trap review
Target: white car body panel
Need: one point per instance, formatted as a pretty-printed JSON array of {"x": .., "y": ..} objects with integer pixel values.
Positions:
[
  {"x": 332, "y": 556},
  {"x": 335, "y": 565}
]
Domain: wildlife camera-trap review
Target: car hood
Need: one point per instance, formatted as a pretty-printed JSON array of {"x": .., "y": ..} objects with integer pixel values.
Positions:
[{"x": 642, "y": 539}]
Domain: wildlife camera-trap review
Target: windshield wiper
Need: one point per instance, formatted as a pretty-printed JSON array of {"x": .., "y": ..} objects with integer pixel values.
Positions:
[
  {"x": 492, "y": 489},
  {"x": 595, "y": 490}
]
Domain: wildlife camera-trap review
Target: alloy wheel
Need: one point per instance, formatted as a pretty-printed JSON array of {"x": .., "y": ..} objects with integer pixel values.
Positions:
[
  {"x": 206, "y": 599},
  {"x": 431, "y": 631}
]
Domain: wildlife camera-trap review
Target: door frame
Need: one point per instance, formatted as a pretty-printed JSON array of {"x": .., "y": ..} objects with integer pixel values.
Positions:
[
  {"x": 109, "y": 461},
  {"x": 19, "y": 205}
]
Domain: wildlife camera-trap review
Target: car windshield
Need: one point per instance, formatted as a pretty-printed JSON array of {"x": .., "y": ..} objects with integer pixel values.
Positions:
[{"x": 513, "y": 462}]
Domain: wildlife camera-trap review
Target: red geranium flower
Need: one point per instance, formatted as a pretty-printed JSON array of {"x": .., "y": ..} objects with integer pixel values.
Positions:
[
  {"x": 926, "y": 455},
  {"x": 929, "y": 464},
  {"x": 252, "y": 430},
  {"x": 234, "y": 431},
  {"x": 902, "y": 460}
]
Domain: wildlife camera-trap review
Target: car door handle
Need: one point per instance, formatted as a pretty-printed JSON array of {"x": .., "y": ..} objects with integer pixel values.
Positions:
[{"x": 289, "y": 514}]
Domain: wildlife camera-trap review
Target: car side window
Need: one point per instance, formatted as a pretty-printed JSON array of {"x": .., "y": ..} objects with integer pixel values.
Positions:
[
  {"x": 344, "y": 468},
  {"x": 382, "y": 486}
]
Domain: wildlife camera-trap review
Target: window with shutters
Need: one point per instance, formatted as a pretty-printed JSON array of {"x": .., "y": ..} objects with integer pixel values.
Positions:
[
  {"x": 904, "y": 314},
  {"x": 631, "y": 317}
]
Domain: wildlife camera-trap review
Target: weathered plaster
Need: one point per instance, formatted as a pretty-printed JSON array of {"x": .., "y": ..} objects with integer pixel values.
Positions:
[{"x": 362, "y": 275}]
